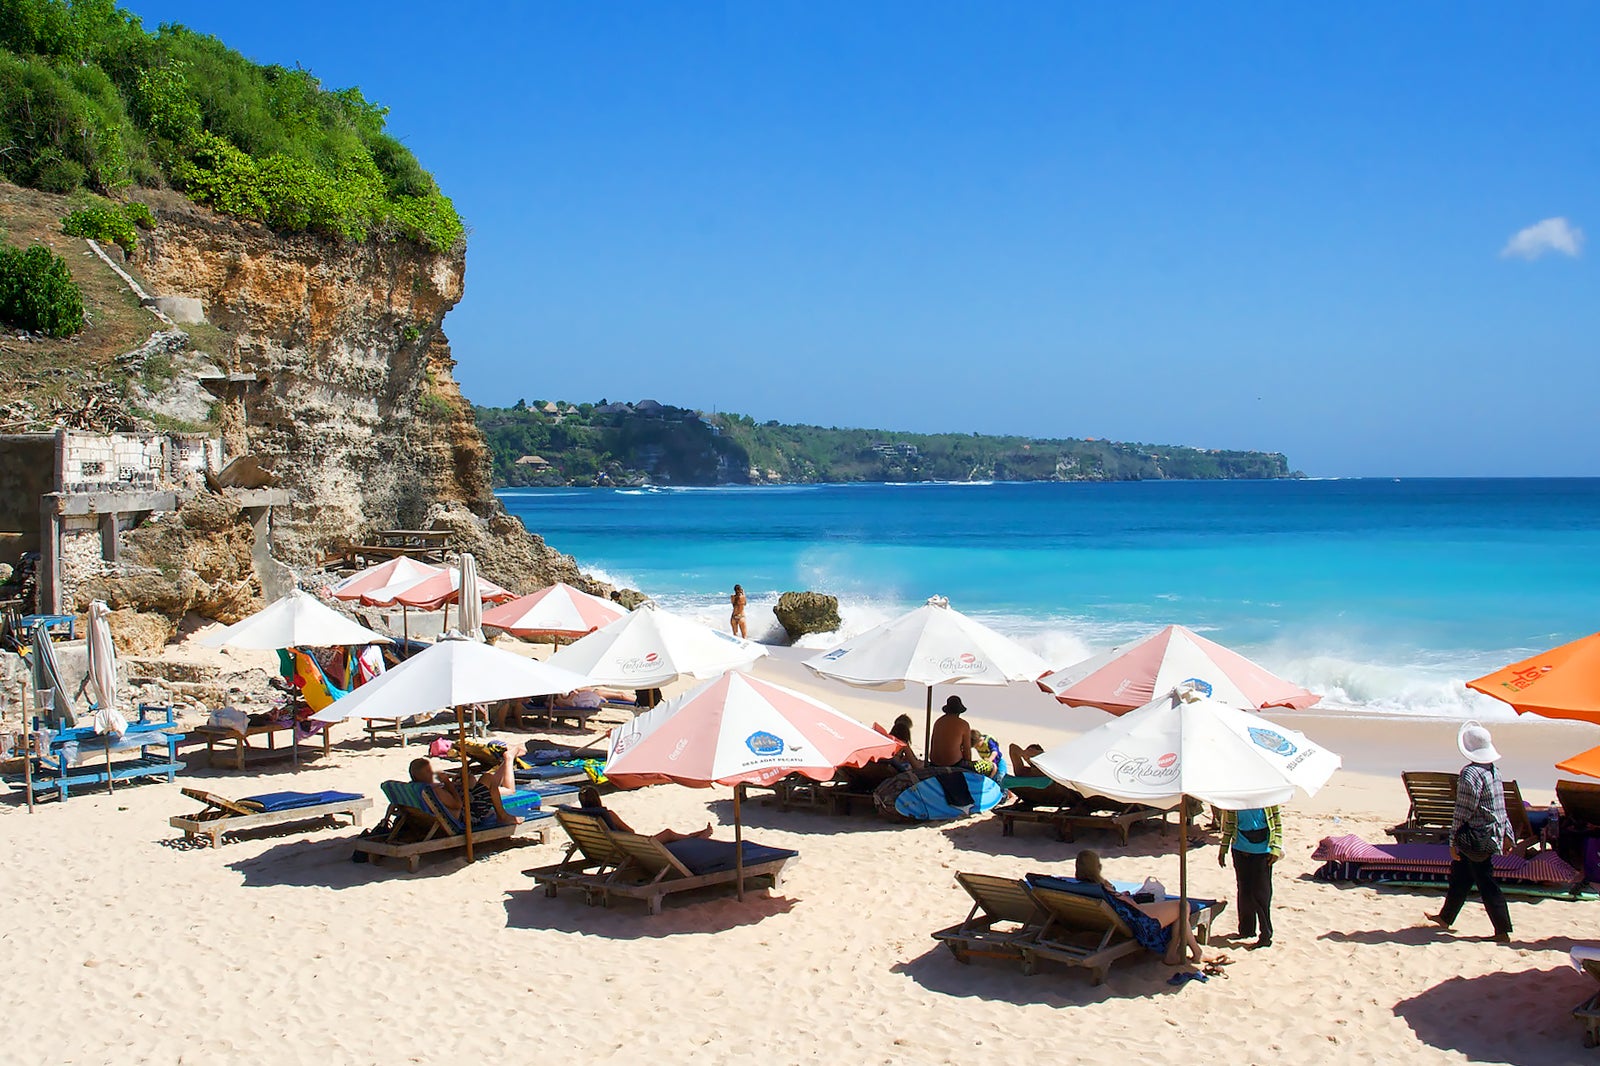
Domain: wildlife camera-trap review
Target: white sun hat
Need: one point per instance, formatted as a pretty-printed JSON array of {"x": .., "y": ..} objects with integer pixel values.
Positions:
[{"x": 1476, "y": 744}]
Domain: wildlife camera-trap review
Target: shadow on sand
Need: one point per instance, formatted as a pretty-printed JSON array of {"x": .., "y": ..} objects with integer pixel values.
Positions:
[
  {"x": 1053, "y": 986},
  {"x": 711, "y": 911},
  {"x": 1511, "y": 1016},
  {"x": 326, "y": 863}
]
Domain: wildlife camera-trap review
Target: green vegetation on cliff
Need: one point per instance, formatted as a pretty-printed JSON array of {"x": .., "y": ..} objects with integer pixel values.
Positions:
[
  {"x": 560, "y": 444},
  {"x": 88, "y": 99}
]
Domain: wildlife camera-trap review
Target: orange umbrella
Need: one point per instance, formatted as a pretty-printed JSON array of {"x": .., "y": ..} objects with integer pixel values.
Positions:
[
  {"x": 1563, "y": 682},
  {"x": 1586, "y": 763}
]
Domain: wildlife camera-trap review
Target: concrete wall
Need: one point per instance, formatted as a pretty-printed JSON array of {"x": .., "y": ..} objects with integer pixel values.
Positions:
[
  {"x": 93, "y": 461},
  {"x": 27, "y": 472}
]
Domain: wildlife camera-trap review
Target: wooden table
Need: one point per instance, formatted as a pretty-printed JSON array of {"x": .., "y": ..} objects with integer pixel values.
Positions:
[{"x": 243, "y": 750}]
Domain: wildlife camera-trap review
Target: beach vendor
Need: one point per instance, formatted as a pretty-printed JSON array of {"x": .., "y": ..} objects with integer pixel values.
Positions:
[
  {"x": 737, "y": 623},
  {"x": 1255, "y": 836},
  {"x": 1479, "y": 830}
]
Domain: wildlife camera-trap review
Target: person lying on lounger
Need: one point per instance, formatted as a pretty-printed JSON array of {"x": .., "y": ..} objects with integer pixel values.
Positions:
[
  {"x": 1022, "y": 760},
  {"x": 484, "y": 793},
  {"x": 1164, "y": 911},
  {"x": 589, "y": 800}
]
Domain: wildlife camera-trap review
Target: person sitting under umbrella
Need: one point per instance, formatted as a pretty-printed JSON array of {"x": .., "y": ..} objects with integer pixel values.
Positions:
[
  {"x": 484, "y": 794},
  {"x": 589, "y": 802},
  {"x": 1150, "y": 922}
]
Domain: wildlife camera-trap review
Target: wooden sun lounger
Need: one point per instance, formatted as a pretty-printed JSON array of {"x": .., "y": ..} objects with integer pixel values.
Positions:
[
  {"x": 221, "y": 815},
  {"x": 1081, "y": 930},
  {"x": 1588, "y": 1012},
  {"x": 244, "y": 752},
  {"x": 590, "y": 858},
  {"x": 421, "y": 826},
  {"x": 634, "y": 866},
  {"x": 1580, "y": 803},
  {"x": 438, "y": 724},
  {"x": 995, "y": 900},
  {"x": 1433, "y": 810}
]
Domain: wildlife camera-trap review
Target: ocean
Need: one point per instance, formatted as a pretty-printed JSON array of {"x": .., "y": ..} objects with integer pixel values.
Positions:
[{"x": 1383, "y": 595}]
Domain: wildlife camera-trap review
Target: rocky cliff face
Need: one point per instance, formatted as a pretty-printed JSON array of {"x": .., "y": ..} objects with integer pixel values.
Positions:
[{"x": 343, "y": 381}]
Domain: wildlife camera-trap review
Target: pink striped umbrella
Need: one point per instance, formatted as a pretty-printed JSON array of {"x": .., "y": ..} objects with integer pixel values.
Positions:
[
  {"x": 394, "y": 572},
  {"x": 557, "y": 611},
  {"x": 737, "y": 730},
  {"x": 434, "y": 592},
  {"x": 1125, "y": 678}
]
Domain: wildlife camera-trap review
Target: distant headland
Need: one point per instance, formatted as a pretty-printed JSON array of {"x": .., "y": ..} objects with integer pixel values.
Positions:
[{"x": 554, "y": 443}]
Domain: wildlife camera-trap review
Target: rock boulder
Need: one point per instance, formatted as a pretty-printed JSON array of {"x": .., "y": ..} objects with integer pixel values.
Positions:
[{"x": 807, "y": 612}]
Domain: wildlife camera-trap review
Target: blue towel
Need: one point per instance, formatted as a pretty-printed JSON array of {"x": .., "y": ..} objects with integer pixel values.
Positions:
[
  {"x": 1151, "y": 934},
  {"x": 545, "y": 773},
  {"x": 717, "y": 856},
  {"x": 288, "y": 801}
]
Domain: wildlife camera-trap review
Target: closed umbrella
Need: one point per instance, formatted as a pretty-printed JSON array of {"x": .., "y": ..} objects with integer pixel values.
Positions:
[
  {"x": 1184, "y": 744},
  {"x": 737, "y": 730},
  {"x": 649, "y": 647},
  {"x": 557, "y": 611},
  {"x": 452, "y": 673},
  {"x": 931, "y": 645},
  {"x": 102, "y": 652},
  {"x": 1125, "y": 678},
  {"x": 471, "y": 610}
]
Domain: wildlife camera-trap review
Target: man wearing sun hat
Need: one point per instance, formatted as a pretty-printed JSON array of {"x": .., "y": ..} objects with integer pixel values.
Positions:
[{"x": 1479, "y": 829}]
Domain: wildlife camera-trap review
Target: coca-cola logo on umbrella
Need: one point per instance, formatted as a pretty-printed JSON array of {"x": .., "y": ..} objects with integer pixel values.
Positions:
[
  {"x": 1143, "y": 770},
  {"x": 639, "y": 663},
  {"x": 965, "y": 663}
]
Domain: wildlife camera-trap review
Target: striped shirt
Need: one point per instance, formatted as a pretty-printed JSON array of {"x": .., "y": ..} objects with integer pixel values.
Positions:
[{"x": 1481, "y": 800}]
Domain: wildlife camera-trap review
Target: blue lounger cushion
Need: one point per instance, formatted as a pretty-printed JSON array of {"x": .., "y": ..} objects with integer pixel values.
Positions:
[
  {"x": 717, "y": 856},
  {"x": 288, "y": 801},
  {"x": 545, "y": 773}
]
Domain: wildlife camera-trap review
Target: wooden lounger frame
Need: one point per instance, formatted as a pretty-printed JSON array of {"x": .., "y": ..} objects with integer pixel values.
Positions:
[
  {"x": 994, "y": 900},
  {"x": 1433, "y": 809},
  {"x": 437, "y": 834},
  {"x": 1588, "y": 1012},
  {"x": 221, "y": 815}
]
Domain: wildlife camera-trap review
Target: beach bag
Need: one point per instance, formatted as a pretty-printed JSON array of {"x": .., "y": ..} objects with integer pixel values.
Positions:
[{"x": 1477, "y": 842}]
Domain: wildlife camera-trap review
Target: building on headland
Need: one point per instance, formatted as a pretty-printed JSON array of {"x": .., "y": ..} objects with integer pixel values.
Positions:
[
  {"x": 891, "y": 450},
  {"x": 70, "y": 495},
  {"x": 534, "y": 462}
]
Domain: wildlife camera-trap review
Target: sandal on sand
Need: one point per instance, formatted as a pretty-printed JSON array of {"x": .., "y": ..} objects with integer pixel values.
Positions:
[{"x": 1180, "y": 979}]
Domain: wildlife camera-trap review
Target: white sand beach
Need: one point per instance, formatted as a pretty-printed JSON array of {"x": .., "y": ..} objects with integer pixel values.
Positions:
[{"x": 119, "y": 945}]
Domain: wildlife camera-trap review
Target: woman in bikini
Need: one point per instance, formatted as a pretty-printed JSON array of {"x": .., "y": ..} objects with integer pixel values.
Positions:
[{"x": 736, "y": 623}]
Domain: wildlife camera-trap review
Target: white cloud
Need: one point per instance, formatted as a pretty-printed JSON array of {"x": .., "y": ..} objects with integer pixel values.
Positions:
[{"x": 1542, "y": 238}]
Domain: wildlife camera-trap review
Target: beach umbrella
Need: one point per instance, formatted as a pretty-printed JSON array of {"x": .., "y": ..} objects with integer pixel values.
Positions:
[
  {"x": 1563, "y": 682},
  {"x": 1184, "y": 745},
  {"x": 471, "y": 602},
  {"x": 649, "y": 647},
  {"x": 102, "y": 654},
  {"x": 1130, "y": 677},
  {"x": 441, "y": 590},
  {"x": 452, "y": 673},
  {"x": 298, "y": 620},
  {"x": 1586, "y": 763},
  {"x": 401, "y": 570},
  {"x": 737, "y": 730},
  {"x": 931, "y": 645},
  {"x": 557, "y": 611}
]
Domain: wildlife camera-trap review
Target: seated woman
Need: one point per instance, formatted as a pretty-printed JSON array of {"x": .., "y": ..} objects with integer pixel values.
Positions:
[
  {"x": 484, "y": 793},
  {"x": 870, "y": 775},
  {"x": 589, "y": 801},
  {"x": 1162, "y": 925}
]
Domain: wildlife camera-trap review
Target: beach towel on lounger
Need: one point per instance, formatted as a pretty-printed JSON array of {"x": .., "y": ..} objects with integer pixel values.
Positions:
[{"x": 1151, "y": 934}]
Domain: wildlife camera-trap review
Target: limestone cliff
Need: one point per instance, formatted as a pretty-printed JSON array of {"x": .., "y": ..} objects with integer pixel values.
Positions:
[{"x": 341, "y": 377}]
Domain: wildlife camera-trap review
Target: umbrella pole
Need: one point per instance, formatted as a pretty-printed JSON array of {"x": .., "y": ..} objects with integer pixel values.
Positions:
[
  {"x": 110, "y": 788},
  {"x": 738, "y": 841},
  {"x": 466, "y": 778},
  {"x": 27, "y": 744},
  {"x": 1183, "y": 875},
  {"x": 927, "y": 726},
  {"x": 405, "y": 632}
]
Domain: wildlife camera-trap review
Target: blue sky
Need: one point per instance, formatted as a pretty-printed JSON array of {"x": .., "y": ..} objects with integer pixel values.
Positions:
[{"x": 1257, "y": 225}]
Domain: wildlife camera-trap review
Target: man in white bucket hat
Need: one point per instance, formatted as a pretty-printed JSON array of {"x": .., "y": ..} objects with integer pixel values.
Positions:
[{"x": 1478, "y": 832}]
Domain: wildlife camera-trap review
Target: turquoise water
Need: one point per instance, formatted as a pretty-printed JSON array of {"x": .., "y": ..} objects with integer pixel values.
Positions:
[{"x": 1384, "y": 595}]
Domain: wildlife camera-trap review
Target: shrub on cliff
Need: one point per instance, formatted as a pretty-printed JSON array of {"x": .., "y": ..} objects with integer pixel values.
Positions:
[
  {"x": 37, "y": 292},
  {"x": 89, "y": 99},
  {"x": 108, "y": 222}
]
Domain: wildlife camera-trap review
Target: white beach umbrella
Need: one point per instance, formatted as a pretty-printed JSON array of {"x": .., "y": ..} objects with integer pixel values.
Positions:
[
  {"x": 1184, "y": 744},
  {"x": 471, "y": 603},
  {"x": 649, "y": 647},
  {"x": 931, "y": 645},
  {"x": 295, "y": 621},
  {"x": 452, "y": 673}
]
